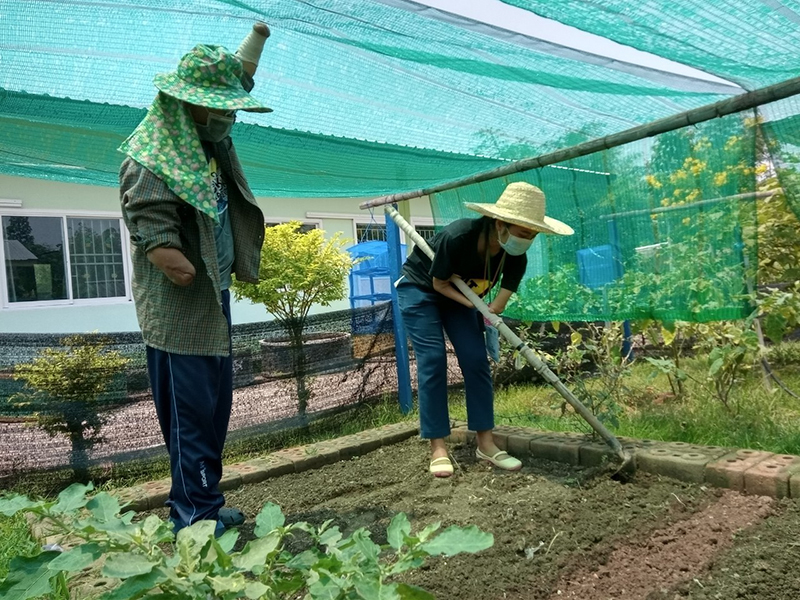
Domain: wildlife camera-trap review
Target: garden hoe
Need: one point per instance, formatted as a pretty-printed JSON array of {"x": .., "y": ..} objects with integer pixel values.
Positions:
[{"x": 627, "y": 466}]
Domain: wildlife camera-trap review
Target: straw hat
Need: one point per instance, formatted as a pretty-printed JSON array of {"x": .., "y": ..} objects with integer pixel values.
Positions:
[
  {"x": 522, "y": 204},
  {"x": 209, "y": 76}
]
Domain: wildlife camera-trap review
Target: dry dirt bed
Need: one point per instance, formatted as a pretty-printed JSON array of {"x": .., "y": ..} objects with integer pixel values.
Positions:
[{"x": 560, "y": 532}]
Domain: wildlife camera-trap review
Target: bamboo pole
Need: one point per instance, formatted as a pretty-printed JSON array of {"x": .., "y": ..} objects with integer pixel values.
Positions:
[
  {"x": 517, "y": 343},
  {"x": 664, "y": 209},
  {"x": 728, "y": 106}
]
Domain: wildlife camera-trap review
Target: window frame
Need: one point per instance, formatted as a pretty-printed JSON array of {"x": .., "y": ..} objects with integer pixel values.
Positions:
[
  {"x": 367, "y": 223},
  {"x": 317, "y": 223},
  {"x": 422, "y": 222},
  {"x": 70, "y": 300},
  {"x": 366, "y": 219}
]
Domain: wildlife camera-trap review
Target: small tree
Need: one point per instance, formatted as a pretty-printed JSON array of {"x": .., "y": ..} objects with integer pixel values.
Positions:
[
  {"x": 298, "y": 270},
  {"x": 68, "y": 383}
]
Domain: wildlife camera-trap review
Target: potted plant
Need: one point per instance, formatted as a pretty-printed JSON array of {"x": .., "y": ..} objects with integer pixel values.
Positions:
[
  {"x": 68, "y": 385},
  {"x": 298, "y": 271}
]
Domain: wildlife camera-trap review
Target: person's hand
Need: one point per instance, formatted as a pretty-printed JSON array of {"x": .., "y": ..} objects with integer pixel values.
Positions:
[
  {"x": 174, "y": 264},
  {"x": 496, "y": 310}
]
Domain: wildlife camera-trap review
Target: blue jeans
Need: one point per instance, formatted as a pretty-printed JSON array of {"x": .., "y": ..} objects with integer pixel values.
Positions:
[
  {"x": 193, "y": 397},
  {"x": 427, "y": 315}
]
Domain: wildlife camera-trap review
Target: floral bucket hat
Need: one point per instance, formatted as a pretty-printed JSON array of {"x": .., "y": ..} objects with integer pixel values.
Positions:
[
  {"x": 166, "y": 141},
  {"x": 209, "y": 76}
]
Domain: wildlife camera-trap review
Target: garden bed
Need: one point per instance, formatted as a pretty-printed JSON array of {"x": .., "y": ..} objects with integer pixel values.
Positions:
[{"x": 560, "y": 531}]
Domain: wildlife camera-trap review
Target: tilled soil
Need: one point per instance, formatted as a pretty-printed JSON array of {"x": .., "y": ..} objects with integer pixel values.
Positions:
[{"x": 560, "y": 531}]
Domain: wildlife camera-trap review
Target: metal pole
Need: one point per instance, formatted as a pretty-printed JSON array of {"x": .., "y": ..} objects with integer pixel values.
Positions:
[
  {"x": 779, "y": 91},
  {"x": 400, "y": 339},
  {"x": 516, "y": 342}
]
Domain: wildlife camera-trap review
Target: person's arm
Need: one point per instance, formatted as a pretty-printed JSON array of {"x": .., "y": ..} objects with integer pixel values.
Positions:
[
  {"x": 445, "y": 288},
  {"x": 498, "y": 305},
  {"x": 151, "y": 210},
  {"x": 449, "y": 247},
  {"x": 513, "y": 272},
  {"x": 174, "y": 264}
]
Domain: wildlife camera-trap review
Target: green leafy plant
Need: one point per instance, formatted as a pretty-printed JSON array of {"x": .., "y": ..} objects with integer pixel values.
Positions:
[
  {"x": 778, "y": 236},
  {"x": 512, "y": 366},
  {"x": 202, "y": 567},
  {"x": 556, "y": 293},
  {"x": 69, "y": 384},
  {"x": 297, "y": 271},
  {"x": 731, "y": 348},
  {"x": 780, "y": 310},
  {"x": 784, "y": 354},
  {"x": 600, "y": 345},
  {"x": 676, "y": 338},
  {"x": 727, "y": 348}
]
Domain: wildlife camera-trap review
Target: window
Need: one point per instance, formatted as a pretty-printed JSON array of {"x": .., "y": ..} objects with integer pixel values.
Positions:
[
  {"x": 52, "y": 258},
  {"x": 96, "y": 261},
  {"x": 304, "y": 228},
  {"x": 426, "y": 232},
  {"x": 376, "y": 232},
  {"x": 370, "y": 232}
]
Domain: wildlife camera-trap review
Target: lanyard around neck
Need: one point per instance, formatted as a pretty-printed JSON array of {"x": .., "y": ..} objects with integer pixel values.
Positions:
[{"x": 487, "y": 266}]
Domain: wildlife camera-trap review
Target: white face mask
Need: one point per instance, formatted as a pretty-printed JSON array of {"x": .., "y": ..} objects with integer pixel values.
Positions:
[
  {"x": 514, "y": 246},
  {"x": 217, "y": 127}
]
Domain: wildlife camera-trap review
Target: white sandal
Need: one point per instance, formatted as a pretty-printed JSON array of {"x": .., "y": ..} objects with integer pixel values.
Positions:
[
  {"x": 441, "y": 467},
  {"x": 501, "y": 460}
]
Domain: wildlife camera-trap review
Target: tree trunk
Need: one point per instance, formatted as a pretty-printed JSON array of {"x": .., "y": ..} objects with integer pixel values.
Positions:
[
  {"x": 79, "y": 456},
  {"x": 299, "y": 364}
]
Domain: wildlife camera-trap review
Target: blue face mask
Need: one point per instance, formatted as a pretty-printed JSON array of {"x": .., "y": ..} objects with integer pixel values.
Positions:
[{"x": 514, "y": 246}]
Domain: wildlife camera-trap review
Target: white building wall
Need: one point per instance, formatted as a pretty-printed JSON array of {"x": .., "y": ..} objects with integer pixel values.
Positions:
[{"x": 35, "y": 197}]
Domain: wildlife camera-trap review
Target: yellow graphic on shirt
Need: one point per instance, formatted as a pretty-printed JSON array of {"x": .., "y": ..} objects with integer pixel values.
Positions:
[{"x": 479, "y": 286}]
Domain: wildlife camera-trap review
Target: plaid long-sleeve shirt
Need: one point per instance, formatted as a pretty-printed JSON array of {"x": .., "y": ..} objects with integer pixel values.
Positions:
[{"x": 187, "y": 320}]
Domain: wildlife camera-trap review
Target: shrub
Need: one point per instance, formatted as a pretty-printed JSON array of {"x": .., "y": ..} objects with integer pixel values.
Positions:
[{"x": 69, "y": 382}]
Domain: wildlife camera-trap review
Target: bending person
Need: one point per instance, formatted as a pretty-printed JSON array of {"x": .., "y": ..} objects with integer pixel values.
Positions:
[{"x": 483, "y": 252}]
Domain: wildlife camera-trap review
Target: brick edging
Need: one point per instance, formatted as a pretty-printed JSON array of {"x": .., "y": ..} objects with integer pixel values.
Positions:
[{"x": 746, "y": 471}]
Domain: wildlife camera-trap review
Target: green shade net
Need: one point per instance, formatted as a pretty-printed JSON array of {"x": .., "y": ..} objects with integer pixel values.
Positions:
[
  {"x": 277, "y": 162},
  {"x": 664, "y": 228},
  {"x": 380, "y": 96},
  {"x": 389, "y": 72},
  {"x": 373, "y": 97},
  {"x": 754, "y": 44},
  {"x": 781, "y": 130},
  {"x": 751, "y": 42}
]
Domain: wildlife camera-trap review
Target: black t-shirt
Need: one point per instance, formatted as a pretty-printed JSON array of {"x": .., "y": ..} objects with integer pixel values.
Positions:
[{"x": 456, "y": 253}]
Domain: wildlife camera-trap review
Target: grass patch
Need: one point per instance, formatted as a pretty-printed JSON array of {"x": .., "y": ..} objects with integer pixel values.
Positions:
[
  {"x": 15, "y": 540},
  {"x": 760, "y": 420}
]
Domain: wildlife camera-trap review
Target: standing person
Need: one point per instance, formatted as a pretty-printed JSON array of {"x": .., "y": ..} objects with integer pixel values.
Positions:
[
  {"x": 193, "y": 221},
  {"x": 483, "y": 252}
]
